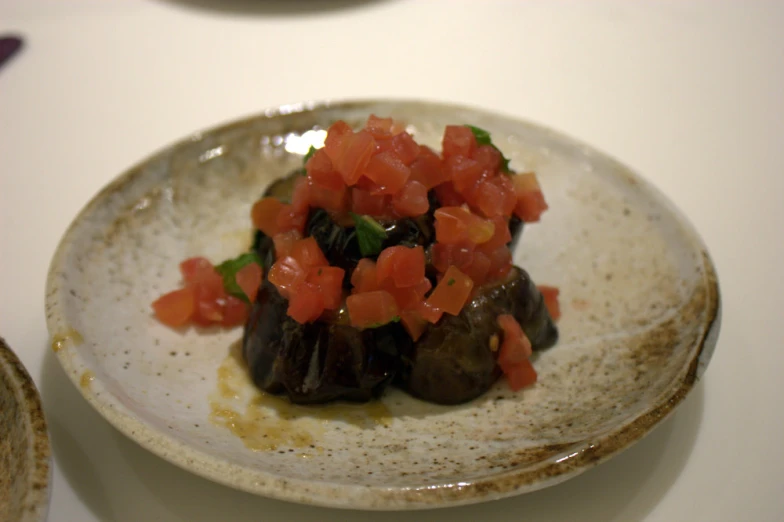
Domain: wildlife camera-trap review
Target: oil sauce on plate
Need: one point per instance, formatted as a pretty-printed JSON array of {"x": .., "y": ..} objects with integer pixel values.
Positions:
[{"x": 265, "y": 422}]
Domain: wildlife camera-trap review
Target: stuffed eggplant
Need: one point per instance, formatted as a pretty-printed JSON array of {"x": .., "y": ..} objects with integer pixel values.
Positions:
[{"x": 379, "y": 263}]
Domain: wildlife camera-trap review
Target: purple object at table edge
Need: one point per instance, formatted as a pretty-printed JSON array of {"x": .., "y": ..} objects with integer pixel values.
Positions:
[{"x": 9, "y": 46}]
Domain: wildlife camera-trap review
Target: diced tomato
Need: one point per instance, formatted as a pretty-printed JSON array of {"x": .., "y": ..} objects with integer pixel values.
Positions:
[
  {"x": 501, "y": 235},
  {"x": 550, "y": 295},
  {"x": 444, "y": 255},
  {"x": 500, "y": 263},
  {"x": 488, "y": 199},
  {"x": 456, "y": 225},
  {"x": 365, "y": 203},
  {"x": 379, "y": 128},
  {"x": 448, "y": 196},
  {"x": 321, "y": 172},
  {"x": 335, "y": 143},
  {"x": 487, "y": 156},
  {"x": 508, "y": 199},
  {"x": 450, "y": 225},
  {"x": 371, "y": 308},
  {"x": 515, "y": 348},
  {"x": 521, "y": 375},
  {"x": 284, "y": 242},
  {"x": 209, "y": 299},
  {"x": 264, "y": 215},
  {"x": 463, "y": 171},
  {"x": 249, "y": 279},
  {"x": 479, "y": 268},
  {"x": 405, "y": 147},
  {"x": 195, "y": 269},
  {"x": 300, "y": 196},
  {"x": 428, "y": 169},
  {"x": 452, "y": 292},
  {"x": 388, "y": 172},
  {"x": 306, "y": 303},
  {"x": 412, "y": 200},
  {"x": 530, "y": 200},
  {"x": 353, "y": 162},
  {"x": 290, "y": 219},
  {"x": 329, "y": 199},
  {"x": 329, "y": 280},
  {"x": 175, "y": 308},
  {"x": 308, "y": 254},
  {"x": 409, "y": 296},
  {"x": 530, "y": 206},
  {"x": 404, "y": 265},
  {"x": 458, "y": 141},
  {"x": 363, "y": 278},
  {"x": 428, "y": 312},
  {"x": 285, "y": 274},
  {"x": 414, "y": 323},
  {"x": 235, "y": 312},
  {"x": 479, "y": 230}
]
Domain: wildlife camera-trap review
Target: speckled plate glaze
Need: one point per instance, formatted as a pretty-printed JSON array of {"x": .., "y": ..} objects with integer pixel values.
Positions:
[
  {"x": 25, "y": 453},
  {"x": 640, "y": 319}
]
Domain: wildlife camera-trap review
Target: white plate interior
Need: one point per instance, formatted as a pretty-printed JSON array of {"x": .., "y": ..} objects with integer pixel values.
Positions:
[{"x": 638, "y": 296}]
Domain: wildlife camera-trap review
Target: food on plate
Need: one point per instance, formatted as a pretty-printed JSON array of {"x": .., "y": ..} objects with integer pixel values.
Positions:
[{"x": 383, "y": 262}]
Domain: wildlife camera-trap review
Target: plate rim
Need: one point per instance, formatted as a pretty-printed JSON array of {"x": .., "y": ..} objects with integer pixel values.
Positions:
[
  {"x": 37, "y": 497},
  {"x": 328, "y": 494}
]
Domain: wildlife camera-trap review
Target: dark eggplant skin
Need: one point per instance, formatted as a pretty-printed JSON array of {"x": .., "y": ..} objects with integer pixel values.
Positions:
[
  {"x": 324, "y": 361},
  {"x": 453, "y": 361},
  {"x": 341, "y": 246},
  {"x": 318, "y": 362}
]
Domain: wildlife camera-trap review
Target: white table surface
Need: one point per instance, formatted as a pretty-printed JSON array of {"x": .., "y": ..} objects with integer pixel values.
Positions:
[{"x": 690, "y": 94}]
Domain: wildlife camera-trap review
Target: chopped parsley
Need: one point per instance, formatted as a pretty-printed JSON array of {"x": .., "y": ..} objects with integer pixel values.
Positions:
[
  {"x": 228, "y": 271},
  {"x": 311, "y": 151},
  {"x": 370, "y": 234},
  {"x": 483, "y": 138},
  {"x": 451, "y": 281},
  {"x": 395, "y": 319}
]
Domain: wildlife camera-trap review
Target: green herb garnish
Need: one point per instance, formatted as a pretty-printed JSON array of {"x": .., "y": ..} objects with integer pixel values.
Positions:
[
  {"x": 451, "y": 281},
  {"x": 483, "y": 138},
  {"x": 395, "y": 319},
  {"x": 311, "y": 151},
  {"x": 370, "y": 234},
  {"x": 228, "y": 271}
]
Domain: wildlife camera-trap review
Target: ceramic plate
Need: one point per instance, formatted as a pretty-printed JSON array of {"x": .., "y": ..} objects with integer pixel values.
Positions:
[
  {"x": 640, "y": 318},
  {"x": 25, "y": 454}
]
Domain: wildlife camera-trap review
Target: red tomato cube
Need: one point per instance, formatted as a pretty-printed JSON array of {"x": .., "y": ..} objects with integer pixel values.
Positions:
[
  {"x": 550, "y": 295},
  {"x": 403, "y": 265},
  {"x": 306, "y": 303},
  {"x": 412, "y": 200},
  {"x": 414, "y": 323},
  {"x": 329, "y": 280},
  {"x": 428, "y": 169},
  {"x": 321, "y": 171},
  {"x": 249, "y": 279},
  {"x": 363, "y": 279},
  {"x": 285, "y": 274},
  {"x": 521, "y": 375},
  {"x": 195, "y": 269},
  {"x": 370, "y": 309},
  {"x": 235, "y": 312},
  {"x": 264, "y": 215},
  {"x": 308, "y": 254},
  {"x": 388, "y": 172},
  {"x": 452, "y": 292},
  {"x": 284, "y": 242},
  {"x": 458, "y": 141},
  {"x": 175, "y": 308}
]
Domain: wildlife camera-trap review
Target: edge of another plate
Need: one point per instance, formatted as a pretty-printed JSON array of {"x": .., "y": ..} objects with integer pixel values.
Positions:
[
  {"x": 388, "y": 498},
  {"x": 33, "y": 505}
]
